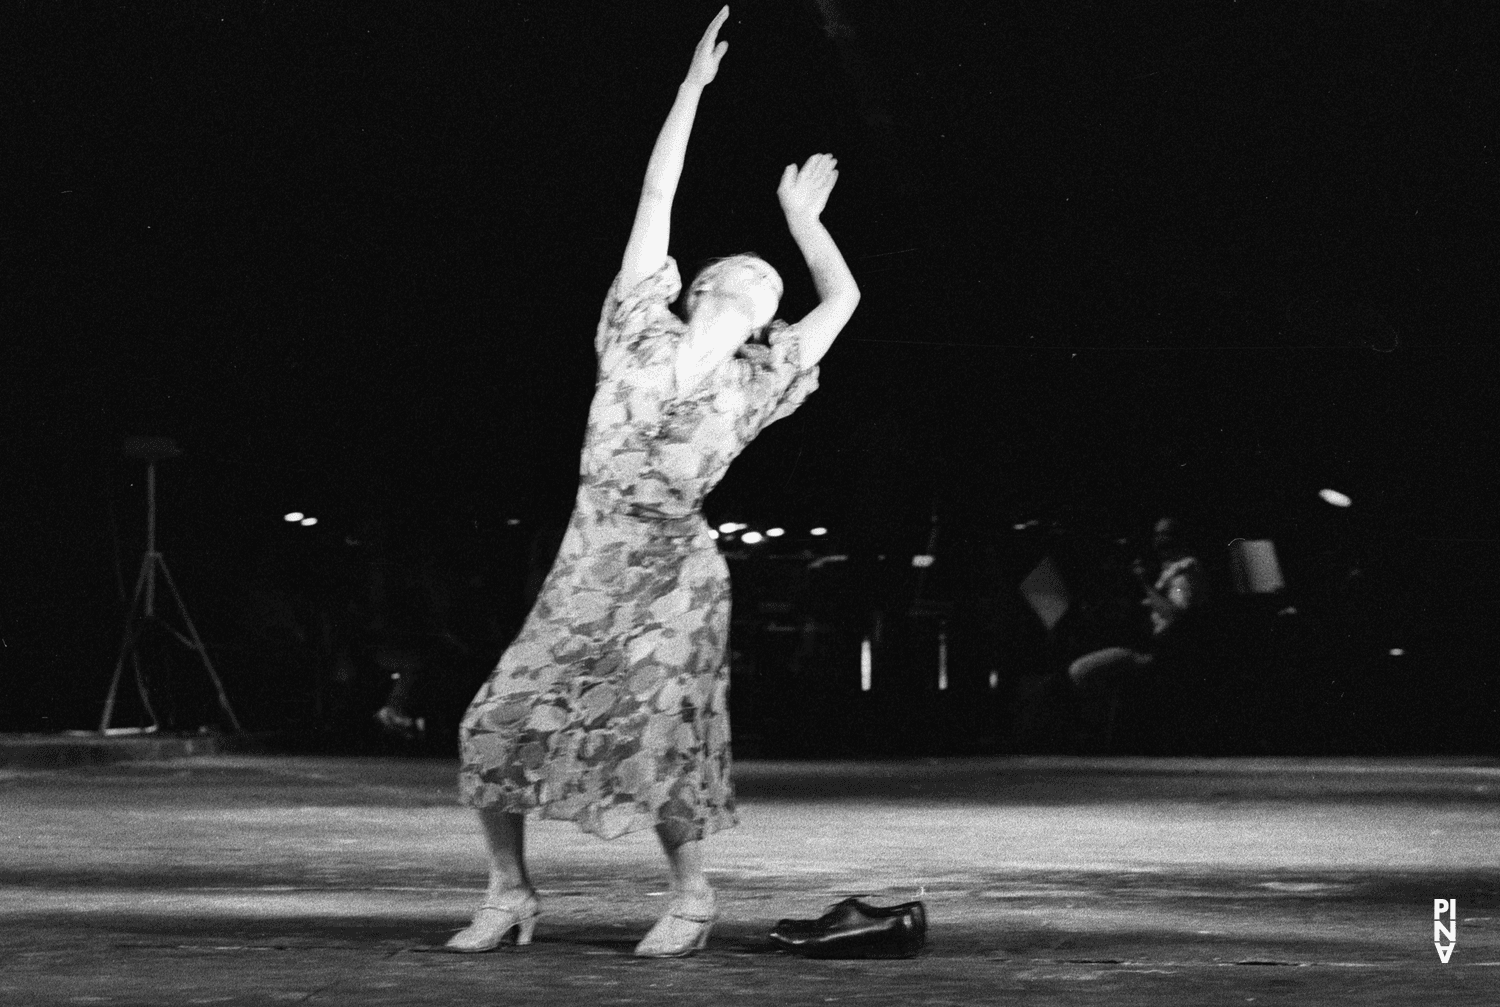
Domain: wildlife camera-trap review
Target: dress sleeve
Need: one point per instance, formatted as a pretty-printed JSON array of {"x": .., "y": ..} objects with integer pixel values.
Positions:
[
  {"x": 774, "y": 379},
  {"x": 631, "y": 317}
]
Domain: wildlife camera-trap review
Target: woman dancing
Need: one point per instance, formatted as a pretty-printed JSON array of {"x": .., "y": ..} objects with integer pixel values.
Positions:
[{"x": 609, "y": 709}]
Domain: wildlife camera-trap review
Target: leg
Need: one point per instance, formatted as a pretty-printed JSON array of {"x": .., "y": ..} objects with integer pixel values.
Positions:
[
  {"x": 505, "y": 835},
  {"x": 702, "y": 594},
  {"x": 684, "y": 852},
  {"x": 510, "y": 902},
  {"x": 1101, "y": 666},
  {"x": 692, "y": 910}
]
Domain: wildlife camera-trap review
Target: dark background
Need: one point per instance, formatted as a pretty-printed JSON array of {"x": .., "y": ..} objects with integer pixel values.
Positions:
[{"x": 1118, "y": 260}]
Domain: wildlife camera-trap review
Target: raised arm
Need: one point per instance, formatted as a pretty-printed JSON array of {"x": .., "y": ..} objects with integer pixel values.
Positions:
[
  {"x": 803, "y": 195},
  {"x": 647, "y": 248},
  {"x": 1167, "y": 607}
]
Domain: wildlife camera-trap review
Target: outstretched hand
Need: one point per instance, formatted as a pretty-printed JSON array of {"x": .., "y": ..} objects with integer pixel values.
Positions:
[
  {"x": 804, "y": 193},
  {"x": 707, "y": 54}
]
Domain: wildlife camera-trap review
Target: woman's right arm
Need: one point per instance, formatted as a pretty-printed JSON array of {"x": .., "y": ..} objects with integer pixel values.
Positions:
[{"x": 647, "y": 248}]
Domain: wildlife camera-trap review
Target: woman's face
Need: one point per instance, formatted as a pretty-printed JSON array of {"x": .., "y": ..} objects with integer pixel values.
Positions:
[{"x": 735, "y": 302}]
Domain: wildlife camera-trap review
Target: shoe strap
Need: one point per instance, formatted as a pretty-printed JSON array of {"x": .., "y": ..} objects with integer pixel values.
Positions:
[
  {"x": 528, "y": 906},
  {"x": 674, "y": 909}
]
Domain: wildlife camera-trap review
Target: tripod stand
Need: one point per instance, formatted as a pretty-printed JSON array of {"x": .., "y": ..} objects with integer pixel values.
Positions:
[{"x": 142, "y": 612}]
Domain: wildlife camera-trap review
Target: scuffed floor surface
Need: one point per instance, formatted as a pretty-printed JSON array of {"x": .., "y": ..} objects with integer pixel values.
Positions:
[{"x": 281, "y": 880}]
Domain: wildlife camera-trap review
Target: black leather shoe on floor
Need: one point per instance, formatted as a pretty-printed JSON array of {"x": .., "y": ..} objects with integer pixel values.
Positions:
[{"x": 854, "y": 929}]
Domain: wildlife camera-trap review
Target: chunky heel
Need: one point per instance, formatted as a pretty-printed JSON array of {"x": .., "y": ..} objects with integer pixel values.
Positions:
[
  {"x": 493, "y": 924},
  {"x": 525, "y": 929}
]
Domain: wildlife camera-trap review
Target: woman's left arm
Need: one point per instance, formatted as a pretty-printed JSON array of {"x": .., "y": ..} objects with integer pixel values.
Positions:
[{"x": 803, "y": 195}]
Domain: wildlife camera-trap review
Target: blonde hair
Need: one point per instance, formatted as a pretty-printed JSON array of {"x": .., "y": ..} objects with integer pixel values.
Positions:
[{"x": 716, "y": 267}]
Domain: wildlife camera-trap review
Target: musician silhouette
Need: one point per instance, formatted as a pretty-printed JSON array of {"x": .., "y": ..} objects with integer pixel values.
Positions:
[{"x": 1144, "y": 686}]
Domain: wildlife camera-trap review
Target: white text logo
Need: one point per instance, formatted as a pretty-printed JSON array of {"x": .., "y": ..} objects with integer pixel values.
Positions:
[{"x": 1444, "y": 931}]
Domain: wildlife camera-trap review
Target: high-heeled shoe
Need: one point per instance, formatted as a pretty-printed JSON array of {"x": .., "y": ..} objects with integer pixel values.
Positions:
[
  {"x": 681, "y": 931},
  {"x": 494, "y": 922}
]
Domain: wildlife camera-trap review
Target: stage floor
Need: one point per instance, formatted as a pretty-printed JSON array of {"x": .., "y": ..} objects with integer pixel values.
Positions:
[{"x": 257, "y": 879}]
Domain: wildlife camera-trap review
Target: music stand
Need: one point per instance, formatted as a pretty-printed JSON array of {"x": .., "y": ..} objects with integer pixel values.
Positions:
[{"x": 142, "y": 610}]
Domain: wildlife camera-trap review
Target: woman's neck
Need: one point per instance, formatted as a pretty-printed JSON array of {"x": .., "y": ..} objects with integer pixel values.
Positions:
[{"x": 701, "y": 352}]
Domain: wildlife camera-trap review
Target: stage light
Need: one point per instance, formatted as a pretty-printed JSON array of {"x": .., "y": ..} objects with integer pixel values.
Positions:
[
  {"x": 818, "y": 531},
  {"x": 512, "y": 521},
  {"x": 1335, "y": 498},
  {"x": 923, "y": 560},
  {"x": 713, "y": 533},
  {"x": 293, "y": 517},
  {"x": 775, "y": 532},
  {"x": 308, "y": 522},
  {"x": 1398, "y": 652},
  {"x": 730, "y": 527},
  {"x": 865, "y": 665},
  {"x": 751, "y": 537},
  {"x": 994, "y": 680}
]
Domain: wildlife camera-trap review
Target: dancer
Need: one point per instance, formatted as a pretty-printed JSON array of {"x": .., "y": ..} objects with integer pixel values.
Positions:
[{"x": 609, "y": 709}]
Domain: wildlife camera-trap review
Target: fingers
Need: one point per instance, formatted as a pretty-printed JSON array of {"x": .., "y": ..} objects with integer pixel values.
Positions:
[
  {"x": 820, "y": 171},
  {"x": 707, "y": 52},
  {"x": 820, "y": 163},
  {"x": 813, "y": 182},
  {"x": 717, "y": 22}
]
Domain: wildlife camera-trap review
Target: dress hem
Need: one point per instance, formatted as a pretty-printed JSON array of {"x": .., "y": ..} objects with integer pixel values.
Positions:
[{"x": 719, "y": 822}]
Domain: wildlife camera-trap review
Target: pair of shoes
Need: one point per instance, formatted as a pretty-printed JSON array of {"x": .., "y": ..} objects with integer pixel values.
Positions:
[
  {"x": 494, "y": 922},
  {"x": 683, "y": 930},
  {"x": 855, "y": 929}
]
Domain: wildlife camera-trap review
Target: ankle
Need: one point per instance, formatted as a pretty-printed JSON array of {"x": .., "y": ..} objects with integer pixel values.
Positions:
[{"x": 509, "y": 894}]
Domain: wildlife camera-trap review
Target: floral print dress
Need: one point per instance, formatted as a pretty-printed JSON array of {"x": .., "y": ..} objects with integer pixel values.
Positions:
[{"x": 610, "y": 707}]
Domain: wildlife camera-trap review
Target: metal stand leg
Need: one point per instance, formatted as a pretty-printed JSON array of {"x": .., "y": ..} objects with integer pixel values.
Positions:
[
  {"x": 140, "y": 687},
  {"x": 198, "y": 645},
  {"x": 133, "y": 626}
]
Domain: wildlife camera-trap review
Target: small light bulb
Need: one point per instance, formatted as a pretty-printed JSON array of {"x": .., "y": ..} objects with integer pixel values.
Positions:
[
  {"x": 294, "y": 516},
  {"x": 751, "y": 537},
  {"x": 819, "y": 531},
  {"x": 308, "y": 522},
  {"x": 775, "y": 532}
]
